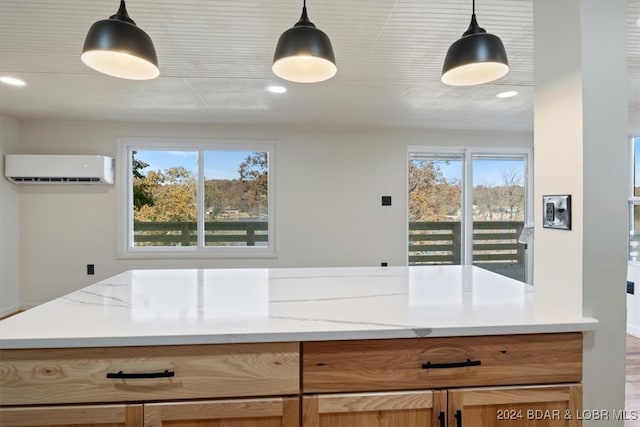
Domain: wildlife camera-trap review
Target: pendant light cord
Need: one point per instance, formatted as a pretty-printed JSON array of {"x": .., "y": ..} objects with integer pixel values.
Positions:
[
  {"x": 474, "y": 28},
  {"x": 304, "y": 18}
]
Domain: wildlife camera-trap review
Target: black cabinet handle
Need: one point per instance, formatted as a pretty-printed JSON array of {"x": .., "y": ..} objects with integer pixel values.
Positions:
[
  {"x": 459, "y": 417},
  {"x": 441, "y": 418},
  {"x": 469, "y": 362},
  {"x": 123, "y": 375}
]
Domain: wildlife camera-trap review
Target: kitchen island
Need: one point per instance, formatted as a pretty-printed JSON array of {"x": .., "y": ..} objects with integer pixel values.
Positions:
[{"x": 286, "y": 347}]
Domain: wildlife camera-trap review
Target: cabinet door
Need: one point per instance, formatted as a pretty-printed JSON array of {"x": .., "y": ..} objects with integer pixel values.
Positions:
[
  {"x": 267, "y": 412},
  {"x": 76, "y": 416},
  {"x": 539, "y": 406},
  {"x": 388, "y": 409}
]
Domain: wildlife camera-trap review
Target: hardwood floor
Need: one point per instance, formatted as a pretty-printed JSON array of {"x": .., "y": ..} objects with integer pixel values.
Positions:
[
  {"x": 632, "y": 389},
  {"x": 6, "y": 316}
]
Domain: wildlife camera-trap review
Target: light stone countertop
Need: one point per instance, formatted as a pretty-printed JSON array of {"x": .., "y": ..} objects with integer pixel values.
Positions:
[{"x": 170, "y": 307}]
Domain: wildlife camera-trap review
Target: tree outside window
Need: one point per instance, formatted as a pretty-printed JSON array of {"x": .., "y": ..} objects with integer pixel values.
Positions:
[{"x": 201, "y": 198}]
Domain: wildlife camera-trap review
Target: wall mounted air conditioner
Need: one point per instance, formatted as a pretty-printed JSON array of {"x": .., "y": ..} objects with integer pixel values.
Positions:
[{"x": 58, "y": 169}]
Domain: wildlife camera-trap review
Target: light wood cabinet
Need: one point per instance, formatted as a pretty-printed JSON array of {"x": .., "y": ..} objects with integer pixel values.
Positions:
[
  {"x": 117, "y": 374},
  {"x": 427, "y": 363},
  {"x": 536, "y": 406},
  {"x": 267, "y": 412},
  {"x": 275, "y": 412},
  {"x": 542, "y": 406},
  {"x": 169, "y": 383},
  {"x": 389, "y": 409},
  {"x": 350, "y": 383},
  {"x": 72, "y": 416},
  {"x": 502, "y": 381}
]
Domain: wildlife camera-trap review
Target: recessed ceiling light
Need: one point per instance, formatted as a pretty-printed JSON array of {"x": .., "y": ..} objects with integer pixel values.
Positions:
[
  {"x": 276, "y": 89},
  {"x": 12, "y": 81},
  {"x": 507, "y": 94}
]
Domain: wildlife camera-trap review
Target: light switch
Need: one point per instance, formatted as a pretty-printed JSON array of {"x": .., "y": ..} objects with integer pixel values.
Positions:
[{"x": 556, "y": 212}]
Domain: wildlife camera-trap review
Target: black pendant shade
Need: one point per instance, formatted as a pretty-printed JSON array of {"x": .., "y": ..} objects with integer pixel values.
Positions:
[
  {"x": 119, "y": 48},
  {"x": 476, "y": 58},
  {"x": 304, "y": 53}
]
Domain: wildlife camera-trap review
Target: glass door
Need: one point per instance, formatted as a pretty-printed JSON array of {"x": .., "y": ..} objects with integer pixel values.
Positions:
[{"x": 499, "y": 213}]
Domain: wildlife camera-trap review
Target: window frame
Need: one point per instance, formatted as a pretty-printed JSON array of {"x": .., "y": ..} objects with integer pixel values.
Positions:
[
  {"x": 633, "y": 199},
  {"x": 125, "y": 247},
  {"x": 468, "y": 154}
]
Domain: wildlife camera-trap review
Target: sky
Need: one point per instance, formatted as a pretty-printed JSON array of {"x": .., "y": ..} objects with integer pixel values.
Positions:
[
  {"x": 490, "y": 172},
  {"x": 224, "y": 164},
  {"x": 218, "y": 164},
  {"x": 485, "y": 171}
]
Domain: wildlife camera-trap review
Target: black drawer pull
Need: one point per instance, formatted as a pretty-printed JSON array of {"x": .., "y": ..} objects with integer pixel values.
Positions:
[
  {"x": 125, "y": 376},
  {"x": 441, "y": 418},
  {"x": 469, "y": 362},
  {"x": 459, "y": 418}
]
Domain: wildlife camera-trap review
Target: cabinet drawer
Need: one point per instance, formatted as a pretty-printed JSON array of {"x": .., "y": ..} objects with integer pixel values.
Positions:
[
  {"x": 147, "y": 373},
  {"x": 397, "y": 364},
  {"x": 69, "y": 416}
]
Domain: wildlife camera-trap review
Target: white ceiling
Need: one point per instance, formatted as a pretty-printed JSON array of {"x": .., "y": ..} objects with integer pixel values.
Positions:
[{"x": 215, "y": 61}]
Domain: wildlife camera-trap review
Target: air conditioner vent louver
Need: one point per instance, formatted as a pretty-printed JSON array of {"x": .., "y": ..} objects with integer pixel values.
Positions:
[
  {"x": 61, "y": 180},
  {"x": 58, "y": 169}
]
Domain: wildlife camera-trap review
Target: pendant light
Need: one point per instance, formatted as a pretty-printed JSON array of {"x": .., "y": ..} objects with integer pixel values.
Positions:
[
  {"x": 476, "y": 58},
  {"x": 304, "y": 53},
  {"x": 119, "y": 48}
]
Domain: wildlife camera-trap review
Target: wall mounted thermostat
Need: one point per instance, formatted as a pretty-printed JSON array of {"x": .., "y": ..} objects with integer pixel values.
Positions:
[{"x": 556, "y": 212}]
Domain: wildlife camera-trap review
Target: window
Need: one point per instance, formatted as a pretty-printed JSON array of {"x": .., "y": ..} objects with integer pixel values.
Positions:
[
  {"x": 185, "y": 198},
  {"x": 469, "y": 207},
  {"x": 435, "y": 208},
  {"x": 634, "y": 202}
]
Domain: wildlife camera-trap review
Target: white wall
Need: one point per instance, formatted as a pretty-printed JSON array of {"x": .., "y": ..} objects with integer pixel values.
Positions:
[
  {"x": 9, "y": 220},
  {"x": 581, "y": 143},
  {"x": 329, "y": 184}
]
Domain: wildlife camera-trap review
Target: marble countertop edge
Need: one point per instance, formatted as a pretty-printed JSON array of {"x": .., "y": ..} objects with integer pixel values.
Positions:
[{"x": 587, "y": 324}]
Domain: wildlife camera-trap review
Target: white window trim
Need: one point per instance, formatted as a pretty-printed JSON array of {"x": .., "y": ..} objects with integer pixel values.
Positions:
[
  {"x": 633, "y": 200},
  {"x": 467, "y": 191},
  {"x": 124, "y": 223}
]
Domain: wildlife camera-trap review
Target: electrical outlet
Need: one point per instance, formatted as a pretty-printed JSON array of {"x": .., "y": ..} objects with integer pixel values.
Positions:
[
  {"x": 557, "y": 212},
  {"x": 631, "y": 287},
  {"x": 549, "y": 211},
  {"x": 386, "y": 200},
  {"x": 384, "y": 264},
  {"x": 91, "y": 269}
]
